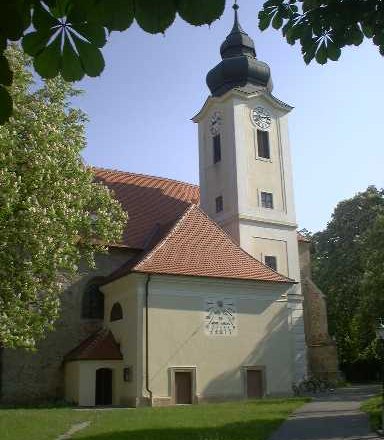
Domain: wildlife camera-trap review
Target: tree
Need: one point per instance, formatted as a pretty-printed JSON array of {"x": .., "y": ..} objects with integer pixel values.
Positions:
[
  {"x": 66, "y": 35},
  {"x": 371, "y": 307},
  {"x": 52, "y": 214},
  {"x": 324, "y": 27},
  {"x": 339, "y": 266}
]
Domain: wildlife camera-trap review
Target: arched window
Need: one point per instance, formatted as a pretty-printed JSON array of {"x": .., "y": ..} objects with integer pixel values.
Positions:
[
  {"x": 116, "y": 312},
  {"x": 93, "y": 303}
]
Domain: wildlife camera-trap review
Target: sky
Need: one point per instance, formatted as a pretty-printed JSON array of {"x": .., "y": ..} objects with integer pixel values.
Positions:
[{"x": 141, "y": 106}]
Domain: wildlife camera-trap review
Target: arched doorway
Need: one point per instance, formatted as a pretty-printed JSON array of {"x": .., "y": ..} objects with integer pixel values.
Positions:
[{"x": 103, "y": 386}]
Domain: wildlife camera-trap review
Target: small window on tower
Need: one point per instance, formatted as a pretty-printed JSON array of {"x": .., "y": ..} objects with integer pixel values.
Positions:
[
  {"x": 271, "y": 261},
  {"x": 219, "y": 203},
  {"x": 263, "y": 144},
  {"x": 216, "y": 148},
  {"x": 267, "y": 200}
]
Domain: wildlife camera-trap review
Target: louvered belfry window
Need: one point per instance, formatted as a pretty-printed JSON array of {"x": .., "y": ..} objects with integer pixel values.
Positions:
[
  {"x": 263, "y": 149},
  {"x": 216, "y": 148}
]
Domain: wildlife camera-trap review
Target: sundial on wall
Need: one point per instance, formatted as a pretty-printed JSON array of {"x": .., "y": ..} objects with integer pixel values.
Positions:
[{"x": 220, "y": 317}]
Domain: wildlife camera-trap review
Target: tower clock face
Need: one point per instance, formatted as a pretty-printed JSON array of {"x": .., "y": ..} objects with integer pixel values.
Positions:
[
  {"x": 215, "y": 123},
  {"x": 261, "y": 118},
  {"x": 220, "y": 317}
]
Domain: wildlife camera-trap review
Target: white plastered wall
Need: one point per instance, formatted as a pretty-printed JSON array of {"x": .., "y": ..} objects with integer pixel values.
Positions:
[
  {"x": 177, "y": 336},
  {"x": 127, "y": 332},
  {"x": 80, "y": 381}
]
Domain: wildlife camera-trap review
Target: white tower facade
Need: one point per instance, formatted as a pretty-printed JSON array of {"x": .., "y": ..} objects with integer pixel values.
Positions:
[{"x": 245, "y": 168}]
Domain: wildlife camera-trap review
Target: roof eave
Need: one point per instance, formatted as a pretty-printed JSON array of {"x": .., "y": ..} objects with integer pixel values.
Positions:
[
  {"x": 288, "y": 281},
  {"x": 211, "y": 100}
]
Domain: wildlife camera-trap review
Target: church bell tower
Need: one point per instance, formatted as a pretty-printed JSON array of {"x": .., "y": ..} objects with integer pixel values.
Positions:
[{"x": 245, "y": 167}]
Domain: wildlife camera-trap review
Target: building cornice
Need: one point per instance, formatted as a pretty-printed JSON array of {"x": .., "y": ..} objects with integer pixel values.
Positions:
[
  {"x": 238, "y": 93},
  {"x": 265, "y": 221}
]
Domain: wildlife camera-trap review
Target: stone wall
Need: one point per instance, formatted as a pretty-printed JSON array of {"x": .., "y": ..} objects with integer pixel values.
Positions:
[
  {"x": 38, "y": 376},
  {"x": 322, "y": 350}
]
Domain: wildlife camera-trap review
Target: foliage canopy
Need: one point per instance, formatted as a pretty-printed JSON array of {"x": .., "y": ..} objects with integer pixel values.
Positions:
[
  {"x": 52, "y": 213},
  {"x": 348, "y": 257},
  {"x": 324, "y": 27}
]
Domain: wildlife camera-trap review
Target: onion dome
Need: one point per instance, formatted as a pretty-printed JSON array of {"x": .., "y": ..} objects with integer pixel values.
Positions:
[{"x": 239, "y": 66}]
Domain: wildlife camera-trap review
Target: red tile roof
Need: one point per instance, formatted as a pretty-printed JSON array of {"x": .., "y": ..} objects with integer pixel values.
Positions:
[
  {"x": 199, "y": 247},
  {"x": 99, "y": 346},
  {"x": 148, "y": 200}
]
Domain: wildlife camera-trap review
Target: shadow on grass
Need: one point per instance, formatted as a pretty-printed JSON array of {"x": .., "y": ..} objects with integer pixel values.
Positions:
[
  {"x": 251, "y": 430},
  {"x": 33, "y": 406}
]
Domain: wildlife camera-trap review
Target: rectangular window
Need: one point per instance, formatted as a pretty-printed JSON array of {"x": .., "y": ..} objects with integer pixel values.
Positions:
[
  {"x": 219, "y": 203},
  {"x": 216, "y": 148},
  {"x": 267, "y": 200},
  {"x": 263, "y": 144},
  {"x": 271, "y": 261}
]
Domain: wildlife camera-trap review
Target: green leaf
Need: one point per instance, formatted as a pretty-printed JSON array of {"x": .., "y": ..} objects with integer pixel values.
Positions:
[
  {"x": 333, "y": 52},
  {"x": 200, "y": 12},
  {"x": 35, "y": 42},
  {"x": 60, "y": 8},
  {"x": 6, "y": 74},
  {"x": 309, "y": 51},
  {"x": 378, "y": 39},
  {"x": 367, "y": 30},
  {"x": 6, "y": 105},
  {"x": 47, "y": 63},
  {"x": 306, "y": 38},
  {"x": 357, "y": 36},
  {"x": 3, "y": 43},
  {"x": 91, "y": 57},
  {"x": 71, "y": 68},
  {"x": 321, "y": 54},
  {"x": 277, "y": 21},
  {"x": 292, "y": 32},
  {"x": 78, "y": 11},
  {"x": 264, "y": 20},
  {"x": 94, "y": 33},
  {"x": 154, "y": 16},
  {"x": 14, "y": 18},
  {"x": 42, "y": 19},
  {"x": 115, "y": 15}
]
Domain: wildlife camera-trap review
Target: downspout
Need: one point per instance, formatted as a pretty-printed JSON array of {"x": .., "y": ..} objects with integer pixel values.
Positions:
[{"x": 147, "y": 339}]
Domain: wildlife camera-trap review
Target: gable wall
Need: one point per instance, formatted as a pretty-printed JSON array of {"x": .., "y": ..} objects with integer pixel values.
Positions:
[
  {"x": 126, "y": 333},
  {"x": 178, "y": 338}
]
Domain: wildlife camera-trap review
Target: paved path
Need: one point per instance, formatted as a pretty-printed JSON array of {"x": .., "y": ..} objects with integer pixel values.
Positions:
[{"x": 332, "y": 416}]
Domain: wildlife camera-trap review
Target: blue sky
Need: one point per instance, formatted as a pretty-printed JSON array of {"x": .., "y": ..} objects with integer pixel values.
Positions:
[{"x": 141, "y": 105}]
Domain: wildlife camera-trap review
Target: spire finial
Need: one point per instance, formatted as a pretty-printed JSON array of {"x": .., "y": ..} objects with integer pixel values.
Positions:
[
  {"x": 236, "y": 24},
  {"x": 235, "y": 8}
]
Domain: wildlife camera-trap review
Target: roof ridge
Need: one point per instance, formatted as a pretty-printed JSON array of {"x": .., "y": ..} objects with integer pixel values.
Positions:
[
  {"x": 238, "y": 246},
  {"x": 171, "y": 232},
  {"x": 167, "y": 179}
]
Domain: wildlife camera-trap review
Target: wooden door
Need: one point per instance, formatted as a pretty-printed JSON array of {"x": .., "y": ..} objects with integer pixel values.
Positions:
[
  {"x": 103, "y": 386},
  {"x": 183, "y": 387},
  {"x": 255, "y": 384}
]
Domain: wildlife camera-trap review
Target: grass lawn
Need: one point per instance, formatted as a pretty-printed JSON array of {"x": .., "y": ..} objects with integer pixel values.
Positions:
[
  {"x": 373, "y": 408},
  {"x": 251, "y": 420}
]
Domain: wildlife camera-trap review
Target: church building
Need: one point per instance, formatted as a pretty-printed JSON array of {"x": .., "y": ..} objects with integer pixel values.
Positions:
[{"x": 202, "y": 300}]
